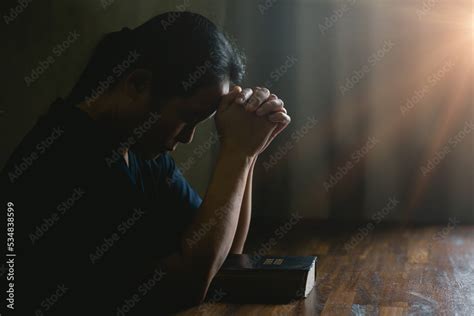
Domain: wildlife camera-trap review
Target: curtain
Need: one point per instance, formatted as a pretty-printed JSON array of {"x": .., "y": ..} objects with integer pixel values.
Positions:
[{"x": 380, "y": 93}]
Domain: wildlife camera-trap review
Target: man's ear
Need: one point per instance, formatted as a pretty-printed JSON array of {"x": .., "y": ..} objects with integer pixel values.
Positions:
[{"x": 137, "y": 83}]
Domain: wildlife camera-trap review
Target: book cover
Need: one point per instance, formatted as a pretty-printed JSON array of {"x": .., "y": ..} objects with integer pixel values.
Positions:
[{"x": 264, "y": 279}]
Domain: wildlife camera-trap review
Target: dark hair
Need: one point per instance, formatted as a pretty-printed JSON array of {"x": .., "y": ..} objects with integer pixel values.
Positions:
[{"x": 184, "y": 51}]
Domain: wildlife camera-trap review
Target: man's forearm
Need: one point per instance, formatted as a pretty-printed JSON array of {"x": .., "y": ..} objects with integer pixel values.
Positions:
[
  {"x": 218, "y": 215},
  {"x": 245, "y": 215}
]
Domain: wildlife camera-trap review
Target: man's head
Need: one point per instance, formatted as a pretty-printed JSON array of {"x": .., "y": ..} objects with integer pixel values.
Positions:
[{"x": 176, "y": 65}]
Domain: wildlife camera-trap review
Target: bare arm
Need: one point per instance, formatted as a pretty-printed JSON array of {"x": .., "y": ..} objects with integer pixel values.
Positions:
[
  {"x": 269, "y": 104},
  {"x": 226, "y": 208},
  {"x": 243, "y": 135},
  {"x": 188, "y": 273},
  {"x": 245, "y": 215}
]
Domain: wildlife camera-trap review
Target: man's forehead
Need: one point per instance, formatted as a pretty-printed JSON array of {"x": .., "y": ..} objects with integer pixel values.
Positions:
[{"x": 209, "y": 98}]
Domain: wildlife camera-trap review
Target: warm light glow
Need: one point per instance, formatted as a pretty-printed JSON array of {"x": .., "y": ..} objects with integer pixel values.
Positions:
[
  {"x": 472, "y": 26},
  {"x": 452, "y": 22}
]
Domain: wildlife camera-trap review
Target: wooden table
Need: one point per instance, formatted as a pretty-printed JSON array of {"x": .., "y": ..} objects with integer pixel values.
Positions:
[{"x": 386, "y": 270}]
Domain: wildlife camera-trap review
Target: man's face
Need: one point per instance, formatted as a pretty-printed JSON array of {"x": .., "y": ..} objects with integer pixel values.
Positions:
[{"x": 177, "y": 121}]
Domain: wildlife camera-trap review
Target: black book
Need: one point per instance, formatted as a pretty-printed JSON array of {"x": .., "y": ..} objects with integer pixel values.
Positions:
[{"x": 268, "y": 279}]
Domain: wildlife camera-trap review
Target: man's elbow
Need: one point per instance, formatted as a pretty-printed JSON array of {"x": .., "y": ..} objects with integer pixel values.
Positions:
[
  {"x": 204, "y": 273},
  {"x": 201, "y": 264},
  {"x": 196, "y": 276}
]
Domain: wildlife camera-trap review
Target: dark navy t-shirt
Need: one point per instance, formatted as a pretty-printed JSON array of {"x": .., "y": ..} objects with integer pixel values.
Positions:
[{"x": 82, "y": 223}]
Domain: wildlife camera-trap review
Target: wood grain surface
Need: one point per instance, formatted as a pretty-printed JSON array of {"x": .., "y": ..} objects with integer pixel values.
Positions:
[{"x": 368, "y": 270}]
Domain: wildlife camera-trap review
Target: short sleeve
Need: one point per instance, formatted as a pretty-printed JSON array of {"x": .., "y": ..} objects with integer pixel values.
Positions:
[
  {"x": 181, "y": 188},
  {"x": 175, "y": 189}
]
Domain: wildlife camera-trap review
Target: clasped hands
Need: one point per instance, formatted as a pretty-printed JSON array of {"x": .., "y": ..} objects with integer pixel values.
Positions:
[{"x": 249, "y": 119}]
